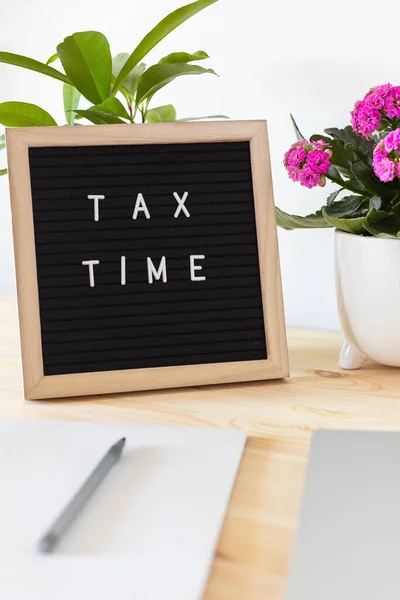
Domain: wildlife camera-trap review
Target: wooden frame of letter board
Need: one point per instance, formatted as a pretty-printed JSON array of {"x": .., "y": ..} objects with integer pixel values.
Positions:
[{"x": 38, "y": 386}]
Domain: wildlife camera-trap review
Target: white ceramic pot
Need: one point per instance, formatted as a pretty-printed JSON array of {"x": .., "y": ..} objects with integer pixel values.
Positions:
[{"x": 368, "y": 290}]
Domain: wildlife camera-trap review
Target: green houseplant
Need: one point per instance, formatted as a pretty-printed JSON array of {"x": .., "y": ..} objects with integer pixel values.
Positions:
[
  {"x": 363, "y": 162},
  {"x": 117, "y": 89}
]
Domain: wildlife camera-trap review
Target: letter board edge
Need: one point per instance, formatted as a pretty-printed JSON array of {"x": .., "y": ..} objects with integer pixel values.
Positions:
[{"x": 38, "y": 386}]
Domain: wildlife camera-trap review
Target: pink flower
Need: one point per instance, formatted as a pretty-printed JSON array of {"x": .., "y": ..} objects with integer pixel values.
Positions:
[
  {"x": 296, "y": 156},
  {"x": 384, "y": 169},
  {"x": 309, "y": 178},
  {"x": 380, "y": 150},
  {"x": 318, "y": 161},
  {"x": 307, "y": 162},
  {"x": 320, "y": 144},
  {"x": 381, "y": 102},
  {"x": 354, "y": 116},
  {"x": 374, "y": 100},
  {"x": 386, "y": 159},
  {"x": 293, "y": 172},
  {"x": 392, "y": 141},
  {"x": 368, "y": 119},
  {"x": 383, "y": 90},
  {"x": 392, "y": 103}
]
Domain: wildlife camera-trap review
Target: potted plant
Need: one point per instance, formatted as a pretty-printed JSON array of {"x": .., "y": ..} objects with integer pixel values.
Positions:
[
  {"x": 112, "y": 90},
  {"x": 363, "y": 161}
]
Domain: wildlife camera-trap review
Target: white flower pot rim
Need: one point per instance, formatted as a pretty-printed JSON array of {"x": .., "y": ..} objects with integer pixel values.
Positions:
[{"x": 366, "y": 238}]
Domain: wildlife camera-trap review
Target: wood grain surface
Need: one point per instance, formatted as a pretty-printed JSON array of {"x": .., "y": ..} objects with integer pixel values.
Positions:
[{"x": 254, "y": 549}]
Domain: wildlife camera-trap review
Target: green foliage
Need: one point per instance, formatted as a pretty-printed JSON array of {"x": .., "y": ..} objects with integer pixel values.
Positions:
[
  {"x": 91, "y": 72},
  {"x": 130, "y": 83},
  {"x": 372, "y": 208},
  {"x": 99, "y": 117},
  {"x": 113, "y": 106},
  {"x": 183, "y": 57},
  {"x": 22, "y": 114},
  {"x": 33, "y": 65},
  {"x": 158, "y": 76},
  {"x": 296, "y": 222},
  {"x": 86, "y": 58},
  {"x": 71, "y": 97},
  {"x": 160, "y": 31},
  {"x": 298, "y": 134},
  {"x": 161, "y": 114},
  {"x": 52, "y": 59}
]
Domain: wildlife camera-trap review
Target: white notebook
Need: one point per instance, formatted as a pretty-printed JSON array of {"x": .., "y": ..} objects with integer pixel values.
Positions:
[
  {"x": 348, "y": 541},
  {"x": 149, "y": 532}
]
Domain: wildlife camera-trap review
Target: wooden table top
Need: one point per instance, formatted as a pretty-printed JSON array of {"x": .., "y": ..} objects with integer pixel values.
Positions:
[{"x": 254, "y": 549}]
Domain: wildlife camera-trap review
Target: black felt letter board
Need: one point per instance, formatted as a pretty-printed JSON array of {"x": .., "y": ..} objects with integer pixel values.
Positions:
[{"x": 194, "y": 221}]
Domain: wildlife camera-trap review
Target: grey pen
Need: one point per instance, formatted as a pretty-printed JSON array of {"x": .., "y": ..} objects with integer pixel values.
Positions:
[{"x": 51, "y": 538}]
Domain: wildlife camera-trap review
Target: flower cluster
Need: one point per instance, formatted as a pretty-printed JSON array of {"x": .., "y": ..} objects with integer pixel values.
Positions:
[
  {"x": 386, "y": 161},
  {"x": 308, "y": 162},
  {"x": 379, "y": 103}
]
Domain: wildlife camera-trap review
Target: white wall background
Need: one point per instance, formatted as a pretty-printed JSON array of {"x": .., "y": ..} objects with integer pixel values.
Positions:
[{"x": 312, "y": 58}]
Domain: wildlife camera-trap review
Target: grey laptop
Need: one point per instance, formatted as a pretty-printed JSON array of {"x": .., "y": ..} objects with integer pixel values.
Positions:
[{"x": 348, "y": 540}]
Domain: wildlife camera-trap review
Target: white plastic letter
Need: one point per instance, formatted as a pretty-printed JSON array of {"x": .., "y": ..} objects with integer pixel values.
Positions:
[
  {"x": 96, "y": 198},
  {"x": 140, "y": 206},
  {"x": 123, "y": 270},
  {"x": 181, "y": 204},
  {"x": 90, "y": 264},
  {"x": 194, "y": 268},
  {"x": 157, "y": 274}
]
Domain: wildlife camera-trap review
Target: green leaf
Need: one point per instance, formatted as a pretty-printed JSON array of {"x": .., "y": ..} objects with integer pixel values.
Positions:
[
  {"x": 351, "y": 225},
  {"x": 296, "y": 222},
  {"x": 22, "y": 114},
  {"x": 382, "y": 224},
  {"x": 332, "y": 197},
  {"x": 3, "y": 172},
  {"x": 161, "y": 114},
  {"x": 387, "y": 228},
  {"x": 317, "y": 136},
  {"x": 52, "y": 59},
  {"x": 86, "y": 59},
  {"x": 299, "y": 135},
  {"x": 342, "y": 156},
  {"x": 183, "y": 57},
  {"x": 2, "y": 142},
  {"x": 366, "y": 147},
  {"x": 157, "y": 76},
  {"x": 371, "y": 184},
  {"x": 375, "y": 203},
  {"x": 202, "y": 118},
  {"x": 112, "y": 106},
  {"x": 130, "y": 82},
  {"x": 33, "y": 65},
  {"x": 71, "y": 97},
  {"x": 334, "y": 175},
  {"x": 349, "y": 206},
  {"x": 339, "y": 134},
  {"x": 348, "y": 147},
  {"x": 348, "y": 214},
  {"x": 158, "y": 33},
  {"x": 98, "y": 117}
]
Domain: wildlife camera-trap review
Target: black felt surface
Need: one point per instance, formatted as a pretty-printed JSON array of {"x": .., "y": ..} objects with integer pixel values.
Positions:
[{"x": 142, "y": 325}]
